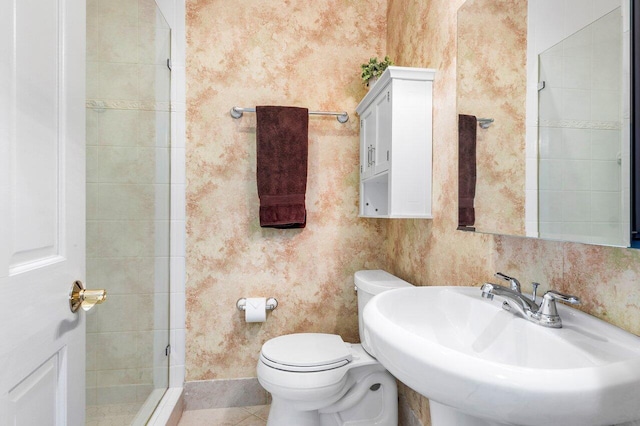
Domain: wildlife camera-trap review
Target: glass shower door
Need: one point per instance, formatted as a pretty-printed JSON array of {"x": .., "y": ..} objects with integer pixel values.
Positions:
[
  {"x": 580, "y": 169},
  {"x": 128, "y": 189}
]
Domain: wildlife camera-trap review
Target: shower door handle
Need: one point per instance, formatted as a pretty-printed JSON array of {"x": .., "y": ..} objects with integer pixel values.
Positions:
[{"x": 87, "y": 299}]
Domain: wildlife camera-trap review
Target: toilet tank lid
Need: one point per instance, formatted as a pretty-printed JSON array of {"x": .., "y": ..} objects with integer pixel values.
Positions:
[{"x": 376, "y": 281}]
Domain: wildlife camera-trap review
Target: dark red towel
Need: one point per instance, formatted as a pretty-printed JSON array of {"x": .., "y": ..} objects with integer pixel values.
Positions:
[
  {"x": 282, "y": 146},
  {"x": 467, "y": 125}
]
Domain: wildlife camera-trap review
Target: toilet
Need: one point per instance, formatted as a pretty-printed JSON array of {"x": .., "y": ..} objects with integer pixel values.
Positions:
[{"x": 317, "y": 379}]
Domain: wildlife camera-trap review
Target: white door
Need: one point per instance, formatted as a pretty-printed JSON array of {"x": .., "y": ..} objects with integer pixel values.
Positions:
[
  {"x": 367, "y": 141},
  {"x": 42, "y": 211},
  {"x": 383, "y": 131}
]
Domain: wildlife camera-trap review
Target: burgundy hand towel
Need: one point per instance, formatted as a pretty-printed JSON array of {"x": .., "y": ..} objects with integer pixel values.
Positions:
[
  {"x": 282, "y": 148},
  {"x": 467, "y": 125}
]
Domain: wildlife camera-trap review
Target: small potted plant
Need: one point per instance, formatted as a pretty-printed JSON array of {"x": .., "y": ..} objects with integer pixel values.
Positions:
[{"x": 374, "y": 69}]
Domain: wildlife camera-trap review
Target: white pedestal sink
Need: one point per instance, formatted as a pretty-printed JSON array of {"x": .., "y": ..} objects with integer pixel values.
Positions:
[{"x": 481, "y": 365}]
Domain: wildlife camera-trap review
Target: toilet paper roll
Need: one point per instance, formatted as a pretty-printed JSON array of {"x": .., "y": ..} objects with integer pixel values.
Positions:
[{"x": 255, "y": 309}]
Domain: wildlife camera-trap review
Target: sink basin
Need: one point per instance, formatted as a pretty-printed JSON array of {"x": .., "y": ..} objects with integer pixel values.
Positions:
[{"x": 479, "y": 364}]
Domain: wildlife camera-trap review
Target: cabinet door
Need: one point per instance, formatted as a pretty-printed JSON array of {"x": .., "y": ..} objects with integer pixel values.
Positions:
[
  {"x": 367, "y": 142},
  {"x": 382, "y": 147}
]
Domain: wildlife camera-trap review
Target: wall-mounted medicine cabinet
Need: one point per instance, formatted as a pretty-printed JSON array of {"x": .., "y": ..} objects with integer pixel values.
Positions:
[{"x": 396, "y": 145}]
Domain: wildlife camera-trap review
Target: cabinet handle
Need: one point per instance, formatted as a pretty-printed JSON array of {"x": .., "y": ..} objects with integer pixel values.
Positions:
[
  {"x": 368, "y": 156},
  {"x": 373, "y": 156}
]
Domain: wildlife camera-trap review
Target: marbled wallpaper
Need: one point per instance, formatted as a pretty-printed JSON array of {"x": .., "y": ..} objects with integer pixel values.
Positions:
[
  {"x": 492, "y": 83},
  {"x": 291, "y": 52},
  {"x": 433, "y": 252},
  {"x": 308, "y": 54}
]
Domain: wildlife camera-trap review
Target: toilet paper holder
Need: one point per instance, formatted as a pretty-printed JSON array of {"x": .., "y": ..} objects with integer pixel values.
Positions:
[{"x": 272, "y": 303}]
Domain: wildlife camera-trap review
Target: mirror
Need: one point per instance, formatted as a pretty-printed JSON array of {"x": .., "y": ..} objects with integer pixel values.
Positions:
[{"x": 555, "y": 79}]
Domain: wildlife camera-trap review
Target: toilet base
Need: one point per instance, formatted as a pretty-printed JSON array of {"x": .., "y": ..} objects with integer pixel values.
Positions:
[
  {"x": 371, "y": 400},
  {"x": 282, "y": 413}
]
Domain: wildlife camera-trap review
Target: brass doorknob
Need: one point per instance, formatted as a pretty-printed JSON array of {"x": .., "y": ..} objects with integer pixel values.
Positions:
[{"x": 87, "y": 299}]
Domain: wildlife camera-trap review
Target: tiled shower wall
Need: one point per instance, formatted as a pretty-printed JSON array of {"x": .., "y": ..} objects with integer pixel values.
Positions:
[
  {"x": 580, "y": 137},
  {"x": 128, "y": 198}
]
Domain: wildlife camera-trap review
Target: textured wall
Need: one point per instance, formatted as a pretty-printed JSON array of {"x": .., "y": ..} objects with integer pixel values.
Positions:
[
  {"x": 259, "y": 53},
  {"x": 434, "y": 253},
  {"x": 492, "y": 83},
  {"x": 308, "y": 53}
]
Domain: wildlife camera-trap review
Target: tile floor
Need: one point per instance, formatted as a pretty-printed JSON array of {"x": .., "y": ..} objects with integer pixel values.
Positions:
[{"x": 235, "y": 416}]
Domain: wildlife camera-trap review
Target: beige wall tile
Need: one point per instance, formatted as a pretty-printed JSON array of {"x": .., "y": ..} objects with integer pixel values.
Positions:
[
  {"x": 154, "y": 83},
  {"x": 93, "y": 76},
  {"x": 123, "y": 11},
  {"x": 124, "y": 239},
  {"x": 116, "y": 395},
  {"x": 92, "y": 352},
  {"x": 92, "y": 163},
  {"x": 93, "y": 41},
  {"x": 125, "y": 201},
  {"x": 124, "y": 350},
  {"x": 92, "y": 201},
  {"x": 147, "y": 11},
  {"x": 118, "y": 81},
  {"x": 154, "y": 45},
  {"x": 118, "y": 42},
  {"x": 125, "y": 164},
  {"x": 123, "y": 275},
  {"x": 93, "y": 240},
  {"x": 118, "y": 127},
  {"x": 91, "y": 127},
  {"x": 124, "y": 377},
  {"x": 125, "y": 313},
  {"x": 154, "y": 129}
]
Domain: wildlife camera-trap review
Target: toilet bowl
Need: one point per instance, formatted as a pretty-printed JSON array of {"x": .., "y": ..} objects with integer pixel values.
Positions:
[{"x": 317, "y": 379}]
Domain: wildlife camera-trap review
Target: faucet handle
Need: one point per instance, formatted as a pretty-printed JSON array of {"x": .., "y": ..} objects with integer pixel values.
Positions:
[
  {"x": 515, "y": 284},
  {"x": 548, "y": 305},
  {"x": 552, "y": 294},
  {"x": 548, "y": 311}
]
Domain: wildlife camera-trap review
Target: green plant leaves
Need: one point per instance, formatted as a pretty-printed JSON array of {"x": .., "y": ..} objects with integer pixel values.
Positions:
[{"x": 374, "y": 68}]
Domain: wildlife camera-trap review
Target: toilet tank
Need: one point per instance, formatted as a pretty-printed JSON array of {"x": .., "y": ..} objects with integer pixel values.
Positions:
[{"x": 368, "y": 284}]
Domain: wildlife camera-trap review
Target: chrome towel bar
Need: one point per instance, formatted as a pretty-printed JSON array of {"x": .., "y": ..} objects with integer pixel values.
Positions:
[{"x": 343, "y": 117}]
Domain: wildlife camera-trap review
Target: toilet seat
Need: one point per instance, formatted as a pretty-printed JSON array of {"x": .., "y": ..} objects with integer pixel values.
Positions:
[{"x": 306, "y": 352}]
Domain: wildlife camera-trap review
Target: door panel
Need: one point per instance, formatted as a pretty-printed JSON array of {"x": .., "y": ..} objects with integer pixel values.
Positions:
[
  {"x": 367, "y": 142},
  {"x": 42, "y": 79},
  {"x": 383, "y": 141},
  {"x": 36, "y": 399},
  {"x": 35, "y": 144}
]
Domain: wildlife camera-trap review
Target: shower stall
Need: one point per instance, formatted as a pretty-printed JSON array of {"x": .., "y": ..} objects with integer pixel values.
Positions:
[{"x": 129, "y": 209}]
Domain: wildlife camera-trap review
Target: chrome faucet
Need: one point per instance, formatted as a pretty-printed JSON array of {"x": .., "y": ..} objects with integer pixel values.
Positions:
[
  {"x": 513, "y": 300},
  {"x": 545, "y": 315},
  {"x": 514, "y": 283}
]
